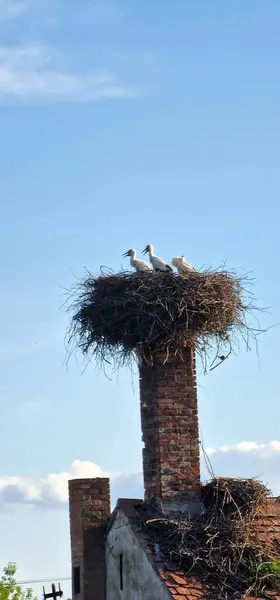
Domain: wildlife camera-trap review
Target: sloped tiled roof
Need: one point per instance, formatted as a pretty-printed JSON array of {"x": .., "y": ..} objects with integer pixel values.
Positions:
[{"x": 180, "y": 586}]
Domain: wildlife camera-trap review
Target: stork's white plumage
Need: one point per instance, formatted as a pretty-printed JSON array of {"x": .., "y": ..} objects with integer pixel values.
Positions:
[
  {"x": 139, "y": 265},
  {"x": 182, "y": 265},
  {"x": 158, "y": 263}
]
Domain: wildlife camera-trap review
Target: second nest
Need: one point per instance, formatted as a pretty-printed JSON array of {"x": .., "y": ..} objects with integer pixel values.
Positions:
[{"x": 115, "y": 315}]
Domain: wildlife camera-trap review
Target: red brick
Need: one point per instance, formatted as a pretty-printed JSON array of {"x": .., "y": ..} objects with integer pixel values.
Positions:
[
  {"x": 168, "y": 396},
  {"x": 89, "y": 506}
]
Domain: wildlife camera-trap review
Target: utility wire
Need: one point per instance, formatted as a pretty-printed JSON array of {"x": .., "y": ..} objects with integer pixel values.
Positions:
[{"x": 43, "y": 580}]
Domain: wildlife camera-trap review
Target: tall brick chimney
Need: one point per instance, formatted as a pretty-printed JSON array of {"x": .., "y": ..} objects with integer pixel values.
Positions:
[
  {"x": 89, "y": 507},
  {"x": 169, "y": 417}
]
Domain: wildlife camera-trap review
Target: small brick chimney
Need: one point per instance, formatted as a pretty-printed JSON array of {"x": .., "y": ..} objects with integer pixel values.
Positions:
[
  {"x": 89, "y": 507},
  {"x": 169, "y": 417}
]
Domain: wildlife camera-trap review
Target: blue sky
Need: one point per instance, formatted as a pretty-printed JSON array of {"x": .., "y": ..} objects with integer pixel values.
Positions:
[{"x": 124, "y": 123}]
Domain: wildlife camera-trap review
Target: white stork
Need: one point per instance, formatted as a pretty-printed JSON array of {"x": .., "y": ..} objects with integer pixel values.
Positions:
[
  {"x": 182, "y": 265},
  {"x": 158, "y": 263},
  {"x": 139, "y": 265}
]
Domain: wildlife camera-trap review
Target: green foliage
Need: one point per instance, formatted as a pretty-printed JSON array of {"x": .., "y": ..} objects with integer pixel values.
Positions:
[
  {"x": 9, "y": 589},
  {"x": 270, "y": 568},
  {"x": 267, "y": 572}
]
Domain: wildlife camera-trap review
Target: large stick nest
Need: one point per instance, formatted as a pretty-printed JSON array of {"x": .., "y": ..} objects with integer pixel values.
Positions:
[
  {"x": 221, "y": 548},
  {"x": 115, "y": 316}
]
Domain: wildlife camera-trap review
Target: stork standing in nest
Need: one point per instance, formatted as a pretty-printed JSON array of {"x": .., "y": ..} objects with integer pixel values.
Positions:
[
  {"x": 182, "y": 265},
  {"x": 158, "y": 263},
  {"x": 138, "y": 265}
]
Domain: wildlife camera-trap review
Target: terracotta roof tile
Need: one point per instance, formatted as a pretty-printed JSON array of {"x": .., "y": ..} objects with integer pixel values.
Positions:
[
  {"x": 188, "y": 588},
  {"x": 182, "y": 590},
  {"x": 162, "y": 574},
  {"x": 178, "y": 579}
]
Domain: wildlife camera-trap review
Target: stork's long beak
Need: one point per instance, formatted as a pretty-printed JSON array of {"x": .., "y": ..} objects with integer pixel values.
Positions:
[
  {"x": 145, "y": 250},
  {"x": 126, "y": 254}
]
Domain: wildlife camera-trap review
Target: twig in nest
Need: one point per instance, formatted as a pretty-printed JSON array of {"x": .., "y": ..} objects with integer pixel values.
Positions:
[{"x": 117, "y": 317}]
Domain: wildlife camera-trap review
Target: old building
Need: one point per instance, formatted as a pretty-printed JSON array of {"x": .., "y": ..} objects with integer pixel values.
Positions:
[{"x": 113, "y": 556}]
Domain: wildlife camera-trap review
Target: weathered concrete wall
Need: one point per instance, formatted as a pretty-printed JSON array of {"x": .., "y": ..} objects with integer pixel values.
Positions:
[{"x": 140, "y": 581}]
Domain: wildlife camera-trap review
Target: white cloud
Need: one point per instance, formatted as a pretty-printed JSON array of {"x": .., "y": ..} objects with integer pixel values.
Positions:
[
  {"x": 50, "y": 490},
  {"x": 248, "y": 459},
  {"x": 252, "y": 448},
  {"x": 244, "y": 459},
  {"x": 32, "y": 74}
]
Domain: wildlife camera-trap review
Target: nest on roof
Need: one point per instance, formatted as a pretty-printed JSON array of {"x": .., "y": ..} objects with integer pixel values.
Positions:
[
  {"x": 115, "y": 316},
  {"x": 221, "y": 547},
  {"x": 235, "y": 495}
]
